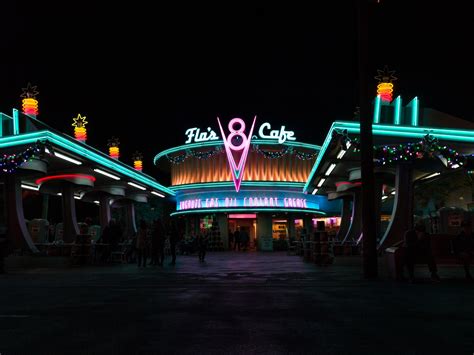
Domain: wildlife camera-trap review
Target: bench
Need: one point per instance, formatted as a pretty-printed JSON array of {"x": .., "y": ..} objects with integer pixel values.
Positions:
[{"x": 441, "y": 247}]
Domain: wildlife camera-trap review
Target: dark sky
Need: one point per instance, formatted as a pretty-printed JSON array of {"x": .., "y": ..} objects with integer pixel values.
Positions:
[{"x": 146, "y": 74}]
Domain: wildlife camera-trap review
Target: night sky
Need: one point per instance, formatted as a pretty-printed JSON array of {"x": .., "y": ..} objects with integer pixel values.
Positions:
[{"x": 145, "y": 74}]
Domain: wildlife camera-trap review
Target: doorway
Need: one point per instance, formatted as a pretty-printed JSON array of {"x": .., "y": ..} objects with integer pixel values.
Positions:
[{"x": 246, "y": 224}]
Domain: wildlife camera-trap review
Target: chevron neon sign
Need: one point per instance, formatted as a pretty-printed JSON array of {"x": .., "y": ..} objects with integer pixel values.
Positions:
[{"x": 237, "y": 141}]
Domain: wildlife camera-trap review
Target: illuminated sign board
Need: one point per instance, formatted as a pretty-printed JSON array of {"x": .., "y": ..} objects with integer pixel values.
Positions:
[
  {"x": 251, "y": 199},
  {"x": 265, "y": 131}
]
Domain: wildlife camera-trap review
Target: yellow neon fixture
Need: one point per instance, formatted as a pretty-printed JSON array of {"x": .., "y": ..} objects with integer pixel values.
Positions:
[{"x": 80, "y": 131}]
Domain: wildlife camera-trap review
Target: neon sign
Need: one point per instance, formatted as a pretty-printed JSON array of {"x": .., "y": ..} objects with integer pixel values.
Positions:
[
  {"x": 198, "y": 136},
  {"x": 195, "y": 135},
  {"x": 248, "y": 202},
  {"x": 281, "y": 134},
  {"x": 237, "y": 142}
]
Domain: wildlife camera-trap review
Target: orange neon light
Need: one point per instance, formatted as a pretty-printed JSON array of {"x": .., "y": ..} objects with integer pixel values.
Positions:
[
  {"x": 80, "y": 131},
  {"x": 385, "y": 90},
  {"x": 30, "y": 106},
  {"x": 114, "y": 152},
  {"x": 138, "y": 165}
]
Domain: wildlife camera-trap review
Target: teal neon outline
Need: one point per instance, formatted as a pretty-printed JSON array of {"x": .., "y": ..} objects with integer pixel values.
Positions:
[
  {"x": 397, "y": 110},
  {"x": 16, "y": 122},
  {"x": 231, "y": 184},
  {"x": 220, "y": 142},
  {"x": 414, "y": 112},
  {"x": 455, "y": 135},
  {"x": 86, "y": 152},
  {"x": 378, "y": 100},
  {"x": 248, "y": 209}
]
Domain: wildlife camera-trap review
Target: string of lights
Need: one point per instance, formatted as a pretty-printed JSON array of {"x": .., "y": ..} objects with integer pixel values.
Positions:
[{"x": 9, "y": 163}]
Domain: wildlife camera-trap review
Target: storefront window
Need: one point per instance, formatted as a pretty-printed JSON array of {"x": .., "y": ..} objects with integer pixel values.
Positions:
[
  {"x": 205, "y": 222},
  {"x": 330, "y": 223},
  {"x": 299, "y": 225},
  {"x": 280, "y": 229}
]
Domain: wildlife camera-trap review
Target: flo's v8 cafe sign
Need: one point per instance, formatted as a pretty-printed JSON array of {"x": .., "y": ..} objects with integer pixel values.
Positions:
[
  {"x": 237, "y": 141},
  {"x": 265, "y": 131}
]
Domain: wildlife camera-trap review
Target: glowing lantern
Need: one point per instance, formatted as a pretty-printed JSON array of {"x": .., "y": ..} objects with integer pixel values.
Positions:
[
  {"x": 29, "y": 102},
  {"x": 113, "y": 144},
  {"x": 138, "y": 161},
  {"x": 385, "y": 78},
  {"x": 80, "y": 131}
]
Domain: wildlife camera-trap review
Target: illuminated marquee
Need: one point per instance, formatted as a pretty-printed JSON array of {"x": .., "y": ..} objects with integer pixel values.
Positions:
[{"x": 195, "y": 135}]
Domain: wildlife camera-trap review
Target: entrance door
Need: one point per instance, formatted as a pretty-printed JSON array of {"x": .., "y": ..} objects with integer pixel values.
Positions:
[{"x": 246, "y": 224}]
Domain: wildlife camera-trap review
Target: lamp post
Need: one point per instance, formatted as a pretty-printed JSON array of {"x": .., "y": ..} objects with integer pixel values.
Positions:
[{"x": 369, "y": 244}]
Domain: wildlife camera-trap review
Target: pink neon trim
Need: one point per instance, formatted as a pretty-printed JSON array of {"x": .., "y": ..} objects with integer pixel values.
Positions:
[
  {"x": 229, "y": 147},
  {"x": 65, "y": 176}
]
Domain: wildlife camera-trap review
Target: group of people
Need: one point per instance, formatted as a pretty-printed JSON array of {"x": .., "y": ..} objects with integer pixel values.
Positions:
[
  {"x": 417, "y": 247},
  {"x": 239, "y": 240},
  {"x": 155, "y": 246}
]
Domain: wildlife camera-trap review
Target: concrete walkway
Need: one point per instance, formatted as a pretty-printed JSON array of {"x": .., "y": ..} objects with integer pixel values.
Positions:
[{"x": 235, "y": 303}]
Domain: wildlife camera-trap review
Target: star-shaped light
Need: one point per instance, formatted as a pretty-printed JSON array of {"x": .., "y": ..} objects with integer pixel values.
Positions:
[
  {"x": 30, "y": 91},
  {"x": 113, "y": 142},
  {"x": 385, "y": 75},
  {"x": 79, "y": 121}
]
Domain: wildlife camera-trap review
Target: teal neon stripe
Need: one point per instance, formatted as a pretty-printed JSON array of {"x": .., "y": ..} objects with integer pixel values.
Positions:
[
  {"x": 16, "y": 122},
  {"x": 414, "y": 112},
  {"x": 398, "y": 109},
  {"x": 231, "y": 184},
  {"x": 220, "y": 142},
  {"x": 249, "y": 209},
  {"x": 391, "y": 131},
  {"x": 320, "y": 155},
  {"x": 84, "y": 151},
  {"x": 377, "y": 109}
]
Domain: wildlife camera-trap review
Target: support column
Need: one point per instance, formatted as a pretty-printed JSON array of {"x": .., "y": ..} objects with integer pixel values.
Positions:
[
  {"x": 71, "y": 229},
  {"x": 104, "y": 210},
  {"x": 378, "y": 206},
  {"x": 264, "y": 232},
  {"x": 45, "y": 206},
  {"x": 308, "y": 225},
  {"x": 355, "y": 228},
  {"x": 345, "y": 218},
  {"x": 17, "y": 233},
  {"x": 291, "y": 226},
  {"x": 402, "y": 214},
  {"x": 224, "y": 229},
  {"x": 130, "y": 225}
]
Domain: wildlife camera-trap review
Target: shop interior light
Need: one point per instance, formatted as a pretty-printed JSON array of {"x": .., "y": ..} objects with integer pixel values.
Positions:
[
  {"x": 59, "y": 194},
  {"x": 77, "y": 197},
  {"x": 97, "y": 202},
  {"x": 137, "y": 186},
  {"x": 393, "y": 192},
  {"x": 115, "y": 177},
  {"x": 69, "y": 159},
  {"x": 330, "y": 169},
  {"x": 384, "y": 197},
  {"x": 341, "y": 153},
  {"x": 321, "y": 182},
  {"x": 30, "y": 187},
  {"x": 315, "y": 191},
  {"x": 158, "y": 194},
  {"x": 430, "y": 176}
]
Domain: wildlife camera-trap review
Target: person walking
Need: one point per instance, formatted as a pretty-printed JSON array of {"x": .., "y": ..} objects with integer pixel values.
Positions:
[
  {"x": 202, "y": 245},
  {"x": 141, "y": 244},
  {"x": 464, "y": 247},
  {"x": 237, "y": 239},
  {"x": 173, "y": 238},
  {"x": 418, "y": 245},
  {"x": 157, "y": 243}
]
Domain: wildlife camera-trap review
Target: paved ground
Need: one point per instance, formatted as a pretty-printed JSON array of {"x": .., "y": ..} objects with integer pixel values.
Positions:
[{"x": 236, "y": 303}]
